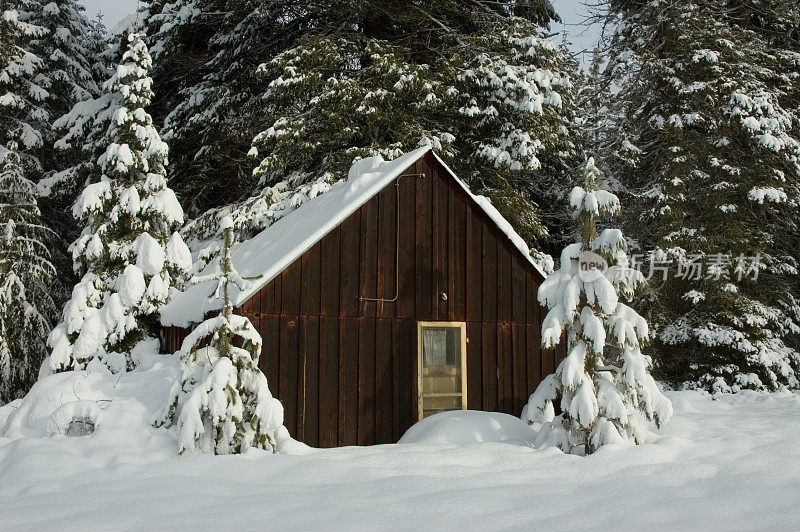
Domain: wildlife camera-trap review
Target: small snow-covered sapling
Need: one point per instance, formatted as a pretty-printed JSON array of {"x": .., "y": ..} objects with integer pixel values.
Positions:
[
  {"x": 602, "y": 386},
  {"x": 221, "y": 400}
]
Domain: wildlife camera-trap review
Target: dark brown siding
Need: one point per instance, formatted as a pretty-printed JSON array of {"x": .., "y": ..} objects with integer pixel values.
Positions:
[
  {"x": 344, "y": 368},
  {"x": 172, "y": 338}
]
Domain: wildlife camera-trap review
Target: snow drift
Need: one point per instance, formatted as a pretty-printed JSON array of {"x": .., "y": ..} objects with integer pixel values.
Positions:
[{"x": 463, "y": 427}]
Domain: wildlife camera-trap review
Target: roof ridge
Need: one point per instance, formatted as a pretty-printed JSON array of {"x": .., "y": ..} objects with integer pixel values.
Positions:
[{"x": 278, "y": 246}]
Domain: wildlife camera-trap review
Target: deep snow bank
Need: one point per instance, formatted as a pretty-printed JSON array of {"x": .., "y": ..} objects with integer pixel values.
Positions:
[
  {"x": 121, "y": 404},
  {"x": 730, "y": 463},
  {"x": 119, "y": 410}
]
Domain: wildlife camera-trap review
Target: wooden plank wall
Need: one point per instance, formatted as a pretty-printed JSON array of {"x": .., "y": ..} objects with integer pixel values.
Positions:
[
  {"x": 172, "y": 338},
  {"x": 345, "y": 369}
]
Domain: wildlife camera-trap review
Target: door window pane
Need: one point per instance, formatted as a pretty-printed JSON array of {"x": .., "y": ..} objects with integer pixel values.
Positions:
[
  {"x": 442, "y": 372},
  {"x": 442, "y": 346}
]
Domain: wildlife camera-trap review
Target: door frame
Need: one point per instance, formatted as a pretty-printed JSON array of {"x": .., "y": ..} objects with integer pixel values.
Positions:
[{"x": 462, "y": 326}]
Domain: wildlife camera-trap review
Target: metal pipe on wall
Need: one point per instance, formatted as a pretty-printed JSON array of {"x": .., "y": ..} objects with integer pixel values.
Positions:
[{"x": 396, "y": 246}]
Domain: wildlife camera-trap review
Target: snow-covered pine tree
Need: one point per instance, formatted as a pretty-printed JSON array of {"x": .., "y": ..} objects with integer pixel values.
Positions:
[
  {"x": 67, "y": 60},
  {"x": 603, "y": 386},
  {"x": 129, "y": 252},
  {"x": 20, "y": 68},
  {"x": 487, "y": 92},
  {"x": 716, "y": 182},
  {"x": 63, "y": 76},
  {"x": 82, "y": 131},
  {"x": 206, "y": 54},
  {"x": 778, "y": 24},
  {"x": 351, "y": 80},
  {"x": 221, "y": 400},
  {"x": 98, "y": 48},
  {"x": 26, "y": 308},
  {"x": 81, "y": 135}
]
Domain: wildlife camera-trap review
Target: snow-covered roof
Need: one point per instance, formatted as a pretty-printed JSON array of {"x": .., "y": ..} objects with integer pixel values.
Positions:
[{"x": 275, "y": 248}]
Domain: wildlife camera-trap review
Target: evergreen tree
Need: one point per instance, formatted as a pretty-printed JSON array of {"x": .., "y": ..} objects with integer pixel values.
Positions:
[
  {"x": 97, "y": 47},
  {"x": 208, "y": 53},
  {"x": 603, "y": 386},
  {"x": 349, "y": 80},
  {"x": 486, "y": 92},
  {"x": 22, "y": 95},
  {"x": 778, "y": 25},
  {"x": 128, "y": 252},
  {"x": 81, "y": 137},
  {"x": 63, "y": 78},
  {"x": 82, "y": 131},
  {"x": 221, "y": 401},
  {"x": 49, "y": 75},
  {"x": 26, "y": 308},
  {"x": 715, "y": 182}
]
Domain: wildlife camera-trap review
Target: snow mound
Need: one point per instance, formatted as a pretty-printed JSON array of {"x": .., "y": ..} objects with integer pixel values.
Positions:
[
  {"x": 289, "y": 446},
  {"x": 112, "y": 413},
  {"x": 120, "y": 407},
  {"x": 78, "y": 418},
  {"x": 464, "y": 427}
]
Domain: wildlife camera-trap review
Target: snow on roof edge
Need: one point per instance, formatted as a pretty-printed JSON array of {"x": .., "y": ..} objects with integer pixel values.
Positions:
[
  {"x": 310, "y": 223},
  {"x": 486, "y": 205},
  {"x": 191, "y": 305}
]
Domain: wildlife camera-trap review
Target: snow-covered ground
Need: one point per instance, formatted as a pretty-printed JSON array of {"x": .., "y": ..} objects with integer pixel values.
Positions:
[{"x": 729, "y": 463}]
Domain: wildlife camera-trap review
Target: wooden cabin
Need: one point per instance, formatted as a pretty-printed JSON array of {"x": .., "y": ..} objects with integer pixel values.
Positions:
[{"x": 395, "y": 295}]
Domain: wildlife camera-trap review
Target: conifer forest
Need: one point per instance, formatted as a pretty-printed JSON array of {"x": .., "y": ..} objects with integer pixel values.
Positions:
[{"x": 167, "y": 176}]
